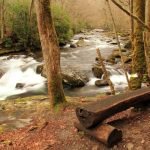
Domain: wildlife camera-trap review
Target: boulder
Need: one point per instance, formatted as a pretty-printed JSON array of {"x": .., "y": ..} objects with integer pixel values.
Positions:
[
  {"x": 97, "y": 71},
  {"x": 128, "y": 45},
  {"x": 70, "y": 78},
  {"x": 116, "y": 54},
  {"x": 73, "y": 45},
  {"x": 39, "y": 69},
  {"x": 111, "y": 59},
  {"x": 113, "y": 43},
  {"x": 1, "y": 73},
  {"x": 127, "y": 59},
  {"x": 97, "y": 59},
  {"x": 101, "y": 83},
  {"x": 81, "y": 42},
  {"x": 20, "y": 85}
]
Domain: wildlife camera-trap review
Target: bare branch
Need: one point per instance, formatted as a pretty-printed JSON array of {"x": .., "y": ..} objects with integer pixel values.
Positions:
[{"x": 131, "y": 15}]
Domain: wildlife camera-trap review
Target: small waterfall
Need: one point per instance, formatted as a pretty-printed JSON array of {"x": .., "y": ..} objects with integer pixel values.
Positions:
[{"x": 19, "y": 70}]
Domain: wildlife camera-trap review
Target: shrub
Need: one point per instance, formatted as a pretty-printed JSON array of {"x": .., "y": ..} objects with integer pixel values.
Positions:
[
  {"x": 27, "y": 33},
  {"x": 62, "y": 23}
]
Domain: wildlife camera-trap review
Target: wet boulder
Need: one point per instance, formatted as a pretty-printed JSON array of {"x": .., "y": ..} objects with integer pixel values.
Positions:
[
  {"x": 1, "y": 73},
  {"x": 20, "y": 85},
  {"x": 128, "y": 45},
  {"x": 81, "y": 42},
  {"x": 73, "y": 45},
  {"x": 71, "y": 78},
  {"x": 127, "y": 59},
  {"x": 111, "y": 59},
  {"x": 101, "y": 83},
  {"x": 97, "y": 71},
  {"x": 39, "y": 69}
]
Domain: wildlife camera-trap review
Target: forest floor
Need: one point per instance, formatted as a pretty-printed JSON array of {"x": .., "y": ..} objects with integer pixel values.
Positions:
[{"x": 28, "y": 124}]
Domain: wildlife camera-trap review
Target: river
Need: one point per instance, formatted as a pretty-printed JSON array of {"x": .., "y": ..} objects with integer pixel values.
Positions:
[{"x": 20, "y": 70}]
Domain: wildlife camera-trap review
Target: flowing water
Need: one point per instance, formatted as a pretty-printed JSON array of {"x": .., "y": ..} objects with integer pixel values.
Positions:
[{"x": 20, "y": 70}]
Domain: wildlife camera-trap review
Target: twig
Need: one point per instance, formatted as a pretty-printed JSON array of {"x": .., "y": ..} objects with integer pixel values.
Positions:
[
  {"x": 119, "y": 46},
  {"x": 105, "y": 72},
  {"x": 131, "y": 15}
]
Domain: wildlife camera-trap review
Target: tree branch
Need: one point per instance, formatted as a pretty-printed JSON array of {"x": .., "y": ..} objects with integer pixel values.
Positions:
[{"x": 131, "y": 15}]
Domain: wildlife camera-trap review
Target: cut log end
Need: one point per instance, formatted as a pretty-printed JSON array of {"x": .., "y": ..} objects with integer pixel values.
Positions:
[
  {"x": 84, "y": 117},
  {"x": 104, "y": 133},
  {"x": 114, "y": 137}
]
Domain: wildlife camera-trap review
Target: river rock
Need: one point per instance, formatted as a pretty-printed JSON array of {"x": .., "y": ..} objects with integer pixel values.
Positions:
[
  {"x": 113, "y": 43},
  {"x": 127, "y": 59},
  {"x": 97, "y": 71},
  {"x": 1, "y": 73},
  {"x": 101, "y": 83},
  {"x": 39, "y": 69},
  {"x": 111, "y": 59},
  {"x": 128, "y": 45},
  {"x": 81, "y": 42},
  {"x": 116, "y": 54},
  {"x": 73, "y": 45},
  {"x": 20, "y": 85},
  {"x": 71, "y": 78}
]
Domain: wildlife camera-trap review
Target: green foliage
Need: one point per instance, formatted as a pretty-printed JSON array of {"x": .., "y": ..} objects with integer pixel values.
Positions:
[
  {"x": 62, "y": 23},
  {"x": 20, "y": 25},
  {"x": 8, "y": 43},
  {"x": 17, "y": 23}
]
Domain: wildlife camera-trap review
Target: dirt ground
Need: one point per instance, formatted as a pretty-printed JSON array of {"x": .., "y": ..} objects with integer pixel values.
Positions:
[{"x": 49, "y": 131}]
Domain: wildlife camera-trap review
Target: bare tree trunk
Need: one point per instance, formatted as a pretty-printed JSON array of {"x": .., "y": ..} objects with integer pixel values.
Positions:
[
  {"x": 147, "y": 37},
  {"x": 2, "y": 19},
  {"x": 105, "y": 72},
  {"x": 51, "y": 51},
  {"x": 119, "y": 45},
  {"x": 132, "y": 22},
  {"x": 138, "y": 61}
]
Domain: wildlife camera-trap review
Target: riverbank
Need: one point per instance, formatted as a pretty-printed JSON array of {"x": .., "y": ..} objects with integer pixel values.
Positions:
[
  {"x": 19, "y": 71},
  {"x": 28, "y": 123}
]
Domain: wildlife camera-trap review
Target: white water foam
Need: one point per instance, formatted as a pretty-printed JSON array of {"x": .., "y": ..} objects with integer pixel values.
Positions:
[{"x": 19, "y": 70}]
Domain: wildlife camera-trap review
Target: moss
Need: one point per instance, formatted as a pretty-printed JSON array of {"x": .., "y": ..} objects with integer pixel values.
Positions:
[
  {"x": 60, "y": 107},
  {"x": 135, "y": 83},
  {"x": 1, "y": 129}
]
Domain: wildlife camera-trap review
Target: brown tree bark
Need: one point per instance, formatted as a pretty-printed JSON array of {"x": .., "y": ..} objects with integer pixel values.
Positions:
[
  {"x": 132, "y": 22},
  {"x": 147, "y": 37},
  {"x": 100, "y": 59},
  {"x": 138, "y": 61},
  {"x": 50, "y": 50},
  {"x": 2, "y": 19},
  {"x": 104, "y": 133},
  {"x": 95, "y": 113}
]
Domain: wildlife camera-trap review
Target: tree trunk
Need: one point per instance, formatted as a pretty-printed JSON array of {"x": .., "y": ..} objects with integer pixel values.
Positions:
[
  {"x": 147, "y": 37},
  {"x": 94, "y": 113},
  {"x": 138, "y": 61},
  {"x": 132, "y": 23},
  {"x": 100, "y": 59},
  {"x": 104, "y": 133},
  {"x": 51, "y": 51},
  {"x": 2, "y": 20}
]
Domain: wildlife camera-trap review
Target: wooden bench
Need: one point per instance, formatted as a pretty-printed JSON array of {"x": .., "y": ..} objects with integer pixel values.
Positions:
[{"x": 91, "y": 116}]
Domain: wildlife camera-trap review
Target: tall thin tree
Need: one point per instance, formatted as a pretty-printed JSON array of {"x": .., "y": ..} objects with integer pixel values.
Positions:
[
  {"x": 147, "y": 37},
  {"x": 50, "y": 50},
  {"x": 138, "y": 59},
  {"x": 2, "y": 3}
]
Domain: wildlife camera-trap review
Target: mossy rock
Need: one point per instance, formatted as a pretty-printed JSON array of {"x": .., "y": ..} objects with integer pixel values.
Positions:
[{"x": 135, "y": 83}]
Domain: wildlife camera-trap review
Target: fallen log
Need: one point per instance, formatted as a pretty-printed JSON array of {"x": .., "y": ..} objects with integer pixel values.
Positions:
[
  {"x": 94, "y": 113},
  {"x": 104, "y": 133}
]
